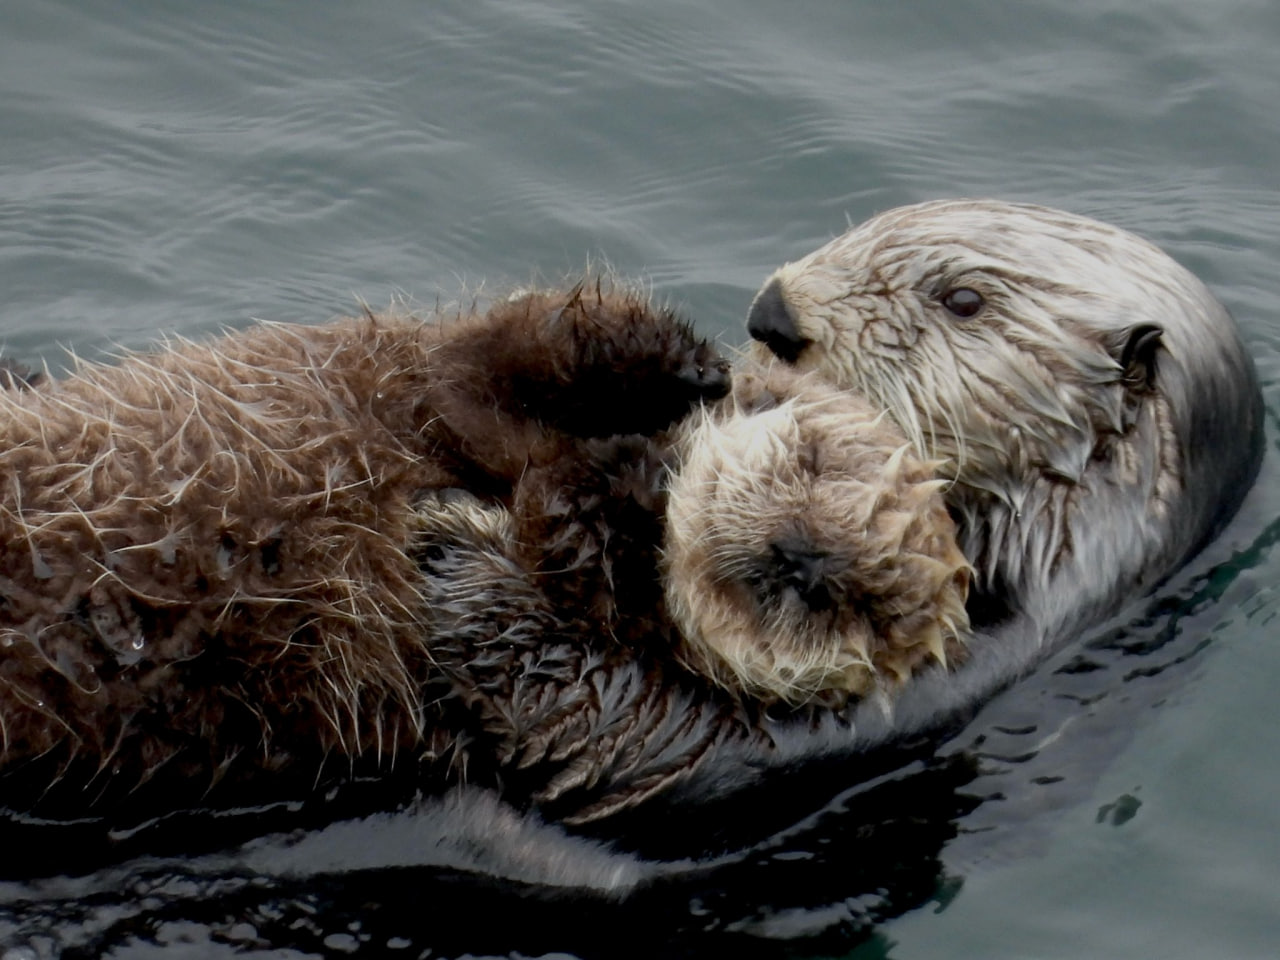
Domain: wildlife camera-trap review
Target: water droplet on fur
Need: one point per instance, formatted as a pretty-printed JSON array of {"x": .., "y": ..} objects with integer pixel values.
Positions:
[
  {"x": 168, "y": 549},
  {"x": 41, "y": 569},
  {"x": 226, "y": 553},
  {"x": 128, "y": 650}
]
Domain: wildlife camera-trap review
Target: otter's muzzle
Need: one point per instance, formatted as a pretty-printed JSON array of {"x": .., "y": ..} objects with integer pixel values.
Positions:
[
  {"x": 771, "y": 321},
  {"x": 804, "y": 571}
]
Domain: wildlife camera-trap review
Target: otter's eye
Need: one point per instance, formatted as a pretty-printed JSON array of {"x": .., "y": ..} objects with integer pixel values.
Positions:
[{"x": 963, "y": 301}]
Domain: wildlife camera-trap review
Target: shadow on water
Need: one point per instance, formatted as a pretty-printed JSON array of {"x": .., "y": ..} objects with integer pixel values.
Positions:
[
  {"x": 819, "y": 885},
  {"x": 808, "y": 864}
]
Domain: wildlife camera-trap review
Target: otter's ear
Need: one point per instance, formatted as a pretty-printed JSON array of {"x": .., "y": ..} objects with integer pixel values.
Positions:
[{"x": 1138, "y": 356}]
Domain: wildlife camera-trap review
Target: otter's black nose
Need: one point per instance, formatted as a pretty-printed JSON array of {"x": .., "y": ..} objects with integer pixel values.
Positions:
[
  {"x": 803, "y": 570},
  {"x": 772, "y": 322}
]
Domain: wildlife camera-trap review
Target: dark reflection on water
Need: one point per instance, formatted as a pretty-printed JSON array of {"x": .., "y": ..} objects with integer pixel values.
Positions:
[
  {"x": 825, "y": 885},
  {"x": 781, "y": 873}
]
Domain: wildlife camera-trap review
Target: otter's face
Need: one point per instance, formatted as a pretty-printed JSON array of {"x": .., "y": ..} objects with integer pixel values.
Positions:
[
  {"x": 807, "y": 552},
  {"x": 1009, "y": 339}
]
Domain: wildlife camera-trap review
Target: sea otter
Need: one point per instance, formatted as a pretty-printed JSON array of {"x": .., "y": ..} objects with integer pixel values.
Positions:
[
  {"x": 1101, "y": 422},
  {"x": 581, "y": 725},
  {"x": 211, "y": 553},
  {"x": 243, "y": 555},
  {"x": 1099, "y": 415}
]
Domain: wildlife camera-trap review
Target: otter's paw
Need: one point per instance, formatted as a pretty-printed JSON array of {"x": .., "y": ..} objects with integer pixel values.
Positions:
[{"x": 612, "y": 363}]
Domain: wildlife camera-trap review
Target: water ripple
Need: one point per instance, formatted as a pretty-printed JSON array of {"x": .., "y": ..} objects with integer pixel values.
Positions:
[{"x": 172, "y": 169}]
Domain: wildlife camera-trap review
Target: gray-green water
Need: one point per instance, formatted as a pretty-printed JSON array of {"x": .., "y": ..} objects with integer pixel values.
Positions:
[{"x": 182, "y": 167}]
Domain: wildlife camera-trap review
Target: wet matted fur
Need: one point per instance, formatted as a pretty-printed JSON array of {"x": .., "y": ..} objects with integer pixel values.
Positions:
[
  {"x": 211, "y": 552},
  {"x": 806, "y": 558},
  {"x": 808, "y": 551}
]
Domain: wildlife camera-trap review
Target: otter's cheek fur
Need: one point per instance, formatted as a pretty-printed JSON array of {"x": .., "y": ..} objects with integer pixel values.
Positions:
[{"x": 808, "y": 555}]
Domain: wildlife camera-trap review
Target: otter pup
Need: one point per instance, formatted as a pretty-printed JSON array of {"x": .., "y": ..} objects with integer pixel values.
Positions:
[
  {"x": 805, "y": 552},
  {"x": 211, "y": 553},
  {"x": 808, "y": 552},
  {"x": 558, "y": 407}
]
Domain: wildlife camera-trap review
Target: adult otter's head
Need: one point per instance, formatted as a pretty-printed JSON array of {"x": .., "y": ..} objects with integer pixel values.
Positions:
[
  {"x": 808, "y": 552},
  {"x": 1098, "y": 412}
]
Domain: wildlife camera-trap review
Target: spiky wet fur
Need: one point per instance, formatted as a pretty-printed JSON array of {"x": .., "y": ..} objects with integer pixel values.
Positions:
[
  {"x": 558, "y": 713},
  {"x": 567, "y": 423},
  {"x": 586, "y": 713},
  {"x": 205, "y": 549},
  {"x": 790, "y": 460},
  {"x": 212, "y": 552}
]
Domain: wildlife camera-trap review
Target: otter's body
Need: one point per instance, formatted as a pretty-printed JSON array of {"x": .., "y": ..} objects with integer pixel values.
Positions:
[
  {"x": 1097, "y": 411},
  {"x": 191, "y": 535},
  {"x": 396, "y": 544},
  {"x": 212, "y": 553}
]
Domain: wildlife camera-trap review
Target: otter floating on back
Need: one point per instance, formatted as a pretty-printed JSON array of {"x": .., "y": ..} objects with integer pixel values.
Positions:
[
  {"x": 1119, "y": 370},
  {"x": 242, "y": 557}
]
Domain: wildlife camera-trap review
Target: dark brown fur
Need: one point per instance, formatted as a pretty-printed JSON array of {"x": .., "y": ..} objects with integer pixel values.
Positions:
[
  {"x": 565, "y": 404},
  {"x": 555, "y": 713},
  {"x": 211, "y": 553}
]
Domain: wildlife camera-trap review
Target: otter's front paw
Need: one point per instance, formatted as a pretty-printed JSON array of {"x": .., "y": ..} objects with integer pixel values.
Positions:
[
  {"x": 605, "y": 362},
  {"x": 648, "y": 380},
  {"x": 704, "y": 374}
]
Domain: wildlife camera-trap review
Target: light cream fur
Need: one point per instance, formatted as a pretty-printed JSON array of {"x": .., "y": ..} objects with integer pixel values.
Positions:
[{"x": 791, "y": 460}]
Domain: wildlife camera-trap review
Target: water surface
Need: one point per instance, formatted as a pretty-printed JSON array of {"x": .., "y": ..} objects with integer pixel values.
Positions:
[{"x": 185, "y": 167}]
